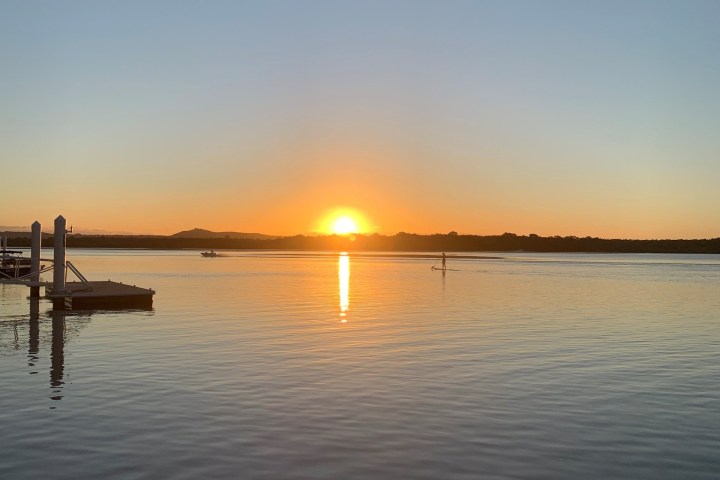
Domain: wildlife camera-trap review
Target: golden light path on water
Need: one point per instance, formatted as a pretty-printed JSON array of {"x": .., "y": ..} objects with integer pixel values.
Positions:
[{"x": 344, "y": 277}]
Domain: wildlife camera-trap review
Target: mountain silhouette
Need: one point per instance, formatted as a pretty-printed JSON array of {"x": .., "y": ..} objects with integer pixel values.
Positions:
[{"x": 201, "y": 233}]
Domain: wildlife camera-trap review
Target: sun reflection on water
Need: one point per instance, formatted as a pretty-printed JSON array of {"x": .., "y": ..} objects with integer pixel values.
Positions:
[{"x": 344, "y": 277}]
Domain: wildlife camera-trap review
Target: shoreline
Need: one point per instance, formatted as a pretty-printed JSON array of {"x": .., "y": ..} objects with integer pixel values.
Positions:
[{"x": 402, "y": 242}]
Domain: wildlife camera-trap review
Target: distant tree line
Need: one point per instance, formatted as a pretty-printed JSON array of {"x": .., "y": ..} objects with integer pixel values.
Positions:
[{"x": 402, "y": 242}]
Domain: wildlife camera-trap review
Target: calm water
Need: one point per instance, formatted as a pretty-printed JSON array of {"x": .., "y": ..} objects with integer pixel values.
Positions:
[{"x": 303, "y": 366}]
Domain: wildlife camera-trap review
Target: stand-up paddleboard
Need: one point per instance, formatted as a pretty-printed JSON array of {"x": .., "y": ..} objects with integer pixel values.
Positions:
[{"x": 438, "y": 268}]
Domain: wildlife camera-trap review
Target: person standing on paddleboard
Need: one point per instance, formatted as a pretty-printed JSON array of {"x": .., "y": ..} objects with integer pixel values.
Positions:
[{"x": 443, "y": 261}]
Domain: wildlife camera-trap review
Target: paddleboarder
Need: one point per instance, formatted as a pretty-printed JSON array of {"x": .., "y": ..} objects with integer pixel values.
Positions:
[{"x": 443, "y": 261}]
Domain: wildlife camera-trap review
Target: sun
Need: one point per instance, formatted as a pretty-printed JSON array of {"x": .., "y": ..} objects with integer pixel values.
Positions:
[
  {"x": 344, "y": 225},
  {"x": 342, "y": 221}
]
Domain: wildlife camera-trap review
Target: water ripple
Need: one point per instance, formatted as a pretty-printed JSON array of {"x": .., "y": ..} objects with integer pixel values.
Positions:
[{"x": 557, "y": 367}]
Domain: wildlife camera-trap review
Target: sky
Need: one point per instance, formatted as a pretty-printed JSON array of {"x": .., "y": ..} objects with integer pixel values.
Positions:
[{"x": 587, "y": 118}]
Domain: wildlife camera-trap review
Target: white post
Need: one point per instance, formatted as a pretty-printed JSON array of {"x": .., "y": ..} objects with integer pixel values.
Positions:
[
  {"x": 59, "y": 256},
  {"x": 35, "y": 244}
]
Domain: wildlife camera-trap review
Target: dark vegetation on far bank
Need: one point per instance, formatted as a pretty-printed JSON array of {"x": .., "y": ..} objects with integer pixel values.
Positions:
[{"x": 402, "y": 242}]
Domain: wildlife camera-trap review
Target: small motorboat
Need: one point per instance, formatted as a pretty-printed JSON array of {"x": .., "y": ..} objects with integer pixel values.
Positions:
[
  {"x": 13, "y": 264},
  {"x": 210, "y": 254}
]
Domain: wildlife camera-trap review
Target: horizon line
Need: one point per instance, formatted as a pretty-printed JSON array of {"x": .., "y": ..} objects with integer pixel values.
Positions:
[{"x": 101, "y": 233}]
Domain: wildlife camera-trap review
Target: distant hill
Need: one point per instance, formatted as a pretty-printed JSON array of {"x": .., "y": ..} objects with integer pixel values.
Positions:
[{"x": 200, "y": 233}]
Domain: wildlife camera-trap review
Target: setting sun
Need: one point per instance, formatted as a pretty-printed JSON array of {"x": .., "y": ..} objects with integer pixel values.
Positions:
[
  {"x": 343, "y": 221},
  {"x": 344, "y": 225}
]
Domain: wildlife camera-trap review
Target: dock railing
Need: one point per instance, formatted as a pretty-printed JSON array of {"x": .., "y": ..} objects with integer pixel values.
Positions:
[{"x": 77, "y": 273}]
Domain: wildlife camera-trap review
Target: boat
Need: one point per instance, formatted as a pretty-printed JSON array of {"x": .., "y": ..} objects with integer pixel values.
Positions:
[
  {"x": 210, "y": 254},
  {"x": 13, "y": 264}
]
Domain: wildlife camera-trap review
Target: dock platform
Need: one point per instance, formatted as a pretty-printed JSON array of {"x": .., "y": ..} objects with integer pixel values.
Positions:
[{"x": 96, "y": 295}]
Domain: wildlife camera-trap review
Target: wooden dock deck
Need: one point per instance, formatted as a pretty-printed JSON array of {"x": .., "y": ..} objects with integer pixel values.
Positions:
[{"x": 100, "y": 295}]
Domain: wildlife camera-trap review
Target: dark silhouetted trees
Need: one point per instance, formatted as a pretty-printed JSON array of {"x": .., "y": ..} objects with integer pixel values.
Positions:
[{"x": 401, "y": 242}]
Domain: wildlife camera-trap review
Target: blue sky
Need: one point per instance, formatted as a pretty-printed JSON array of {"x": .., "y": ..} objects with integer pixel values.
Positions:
[{"x": 548, "y": 117}]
